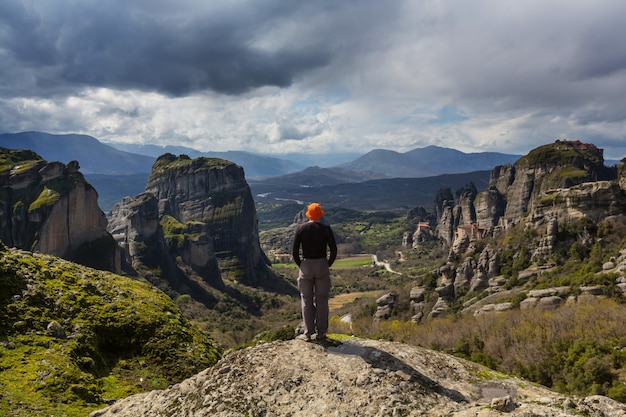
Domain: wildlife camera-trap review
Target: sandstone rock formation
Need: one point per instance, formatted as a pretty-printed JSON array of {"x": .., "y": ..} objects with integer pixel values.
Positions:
[
  {"x": 621, "y": 174},
  {"x": 384, "y": 307},
  {"x": 417, "y": 303},
  {"x": 214, "y": 192},
  {"x": 195, "y": 222},
  {"x": 50, "y": 208},
  {"x": 356, "y": 377},
  {"x": 551, "y": 186},
  {"x": 565, "y": 180},
  {"x": 423, "y": 232},
  {"x": 558, "y": 166}
]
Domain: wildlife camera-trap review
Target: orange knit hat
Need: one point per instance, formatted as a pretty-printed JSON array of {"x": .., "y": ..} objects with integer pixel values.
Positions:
[{"x": 314, "y": 211}]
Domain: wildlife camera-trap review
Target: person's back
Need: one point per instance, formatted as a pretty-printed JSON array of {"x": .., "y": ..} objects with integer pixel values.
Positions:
[{"x": 315, "y": 238}]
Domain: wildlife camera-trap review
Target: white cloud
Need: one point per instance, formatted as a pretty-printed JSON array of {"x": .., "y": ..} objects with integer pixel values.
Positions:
[{"x": 321, "y": 76}]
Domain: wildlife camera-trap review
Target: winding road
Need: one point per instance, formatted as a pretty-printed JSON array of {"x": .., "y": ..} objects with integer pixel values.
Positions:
[{"x": 376, "y": 262}]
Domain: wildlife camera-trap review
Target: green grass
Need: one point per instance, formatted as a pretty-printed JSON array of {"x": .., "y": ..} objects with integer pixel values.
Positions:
[
  {"x": 182, "y": 163},
  {"x": 353, "y": 262},
  {"x": 572, "y": 172},
  {"x": 18, "y": 161},
  {"x": 340, "y": 263},
  {"x": 47, "y": 197},
  {"x": 288, "y": 267}
]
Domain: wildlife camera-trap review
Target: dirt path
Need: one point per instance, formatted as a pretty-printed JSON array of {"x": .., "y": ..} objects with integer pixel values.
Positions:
[{"x": 385, "y": 264}]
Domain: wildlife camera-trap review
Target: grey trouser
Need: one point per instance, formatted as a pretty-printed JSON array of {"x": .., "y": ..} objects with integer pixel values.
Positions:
[{"x": 314, "y": 286}]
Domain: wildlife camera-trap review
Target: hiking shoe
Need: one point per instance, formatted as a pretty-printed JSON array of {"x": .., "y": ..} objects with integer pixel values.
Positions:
[{"x": 303, "y": 337}]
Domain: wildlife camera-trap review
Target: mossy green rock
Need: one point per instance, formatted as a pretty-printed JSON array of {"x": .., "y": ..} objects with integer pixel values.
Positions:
[
  {"x": 73, "y": 338},
  {"x": 566, "y": 163}
]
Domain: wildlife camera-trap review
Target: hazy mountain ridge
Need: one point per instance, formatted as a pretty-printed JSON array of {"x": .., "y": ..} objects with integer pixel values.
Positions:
[
  {"x": 317, "y": 177},
  {"x": 428, "y": 161},
  {"x": 394, "y": 194},
  {"x": 255, "y": 165},
  {"x": 118, "y": 174},
  {"x": 93, "y": 155},
  {"x": 300, "y": 160}
]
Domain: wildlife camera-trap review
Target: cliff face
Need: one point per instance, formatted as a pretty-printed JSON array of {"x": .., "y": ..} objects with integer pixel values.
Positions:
[
  {"x": 551, "y": 188},
  {"x": 621, "y": 174},
  {"x": 552, "y": 180},
  {"x": 213, "y": 192},
  {"x": 186, "y": 258},
  {"x": 50, "y": 208},
  {"x": 195, "y": 222},
  {"x": 561, "y": 165}
]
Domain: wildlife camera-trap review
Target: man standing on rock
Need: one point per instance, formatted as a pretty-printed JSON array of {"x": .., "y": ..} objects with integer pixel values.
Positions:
[{"x": 314, "y": 274}]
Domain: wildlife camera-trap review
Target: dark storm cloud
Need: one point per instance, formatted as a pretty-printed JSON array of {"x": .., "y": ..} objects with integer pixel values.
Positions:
[
  {"x": 600, "y": 49},
  {"x": 481, "y": 74},
  {"x": 173, "y": 50}
]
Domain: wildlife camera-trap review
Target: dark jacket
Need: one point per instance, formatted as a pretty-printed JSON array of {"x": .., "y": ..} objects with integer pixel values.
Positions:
[{"x": 314, "y": 237}]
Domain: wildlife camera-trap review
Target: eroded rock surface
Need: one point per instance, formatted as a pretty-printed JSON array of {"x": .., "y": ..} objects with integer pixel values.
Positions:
[
  {"x": 51, "y": 208},
  {"x": 357, "y": 377}
]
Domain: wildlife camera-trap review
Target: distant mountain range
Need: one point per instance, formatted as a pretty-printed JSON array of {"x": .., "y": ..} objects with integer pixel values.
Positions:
[
  {"x": 96, "y": 157},
  {"x": 426, "y": 162},
  {"x": 93, "y": 156},
  {"x": 116, "y": 173},
  {"x": 254, "y": 165},
  {"x": 386, "y": 194}
]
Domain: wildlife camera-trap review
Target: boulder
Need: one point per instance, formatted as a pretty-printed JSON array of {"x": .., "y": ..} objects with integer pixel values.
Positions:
[
  {"x": 417, "y": 294},
  {"x": 385, "y": 305},
  {"x": 549, "y": 303},
  {"x": 355, "y": 377}
]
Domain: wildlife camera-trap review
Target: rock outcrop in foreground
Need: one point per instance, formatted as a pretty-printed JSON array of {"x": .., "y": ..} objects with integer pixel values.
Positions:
[{"x": 357, "y": 377}]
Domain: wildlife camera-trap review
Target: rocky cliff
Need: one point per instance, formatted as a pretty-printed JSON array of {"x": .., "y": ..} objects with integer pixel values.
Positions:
[
  {"x": 532, "y": 183},
  {"x": 213, "y": 192},
  {"x": 546, "y": 195},
  {"x": 195, "y": 223},
  {"x": 566, "y": 180},
  {"x": 354, "y": 377},
  {"x": 50, "y": 208}
]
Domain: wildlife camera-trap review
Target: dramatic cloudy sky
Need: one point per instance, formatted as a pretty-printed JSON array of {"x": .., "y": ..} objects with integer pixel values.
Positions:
[{"x": 278, "y": 76}]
